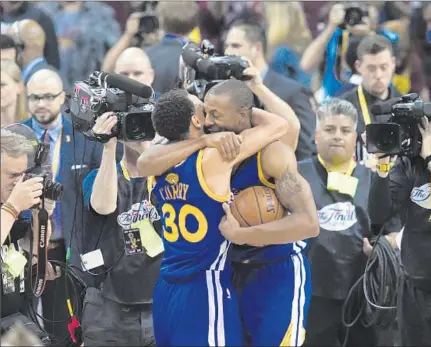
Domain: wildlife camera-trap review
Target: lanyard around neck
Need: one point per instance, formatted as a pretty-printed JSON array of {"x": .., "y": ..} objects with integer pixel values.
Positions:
[
  {"x": 364, "y": 105},
  {"x": 349, "y": 171}
]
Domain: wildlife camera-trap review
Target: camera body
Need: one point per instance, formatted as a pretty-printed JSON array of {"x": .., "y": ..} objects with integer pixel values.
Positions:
[
  {"x": 400, "y": 135},
  {"x": 354, "y": 15},
  {"x": 209, "y": 69},
  {"x": 93, "y": 97},
  {"x": 51, "y": 190}
]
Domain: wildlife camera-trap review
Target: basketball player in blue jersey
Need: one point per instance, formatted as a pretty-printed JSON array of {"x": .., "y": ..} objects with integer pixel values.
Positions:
[
  {"x": 194, "y": 302},
  {"x": 274, "y": 281}
]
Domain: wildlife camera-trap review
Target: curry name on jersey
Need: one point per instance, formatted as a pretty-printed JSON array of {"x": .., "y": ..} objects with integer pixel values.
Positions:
[{"x": 190, "y": 218}]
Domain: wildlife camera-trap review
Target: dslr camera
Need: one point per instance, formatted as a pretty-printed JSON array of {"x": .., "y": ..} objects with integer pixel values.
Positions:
[
  {"x": 51, "y": 190},
  {"x": 131, "y": 101},
  {"x": 400, "y": 135},
  {"x": 209, "y": 69},
  {"x": 354, "y": 16}
]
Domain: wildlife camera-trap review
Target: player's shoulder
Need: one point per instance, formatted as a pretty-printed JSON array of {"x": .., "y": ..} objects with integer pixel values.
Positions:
[{"x": 275, "y": 158}]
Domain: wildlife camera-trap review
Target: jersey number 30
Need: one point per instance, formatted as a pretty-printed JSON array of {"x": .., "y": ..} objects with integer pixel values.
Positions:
[{"x": 178, "y": 225}]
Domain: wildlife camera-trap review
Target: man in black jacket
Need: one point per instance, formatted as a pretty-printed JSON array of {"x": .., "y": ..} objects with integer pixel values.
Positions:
[
  {"x": 249, "y": 41},
  {"x": 406, "y": 189}
]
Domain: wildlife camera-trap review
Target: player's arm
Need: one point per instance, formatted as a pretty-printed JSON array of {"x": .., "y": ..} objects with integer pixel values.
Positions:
[
  {"x": 158, "y": 159},
  {"x": 275, "y": 105},
  {"x": 267, "y": 128},
  {"x": 293, "y": 192}
]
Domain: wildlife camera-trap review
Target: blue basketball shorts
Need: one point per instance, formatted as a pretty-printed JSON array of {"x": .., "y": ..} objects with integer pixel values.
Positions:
[
  {"x": 202, "y": 311},
  {"x": 274, "y": 300}
]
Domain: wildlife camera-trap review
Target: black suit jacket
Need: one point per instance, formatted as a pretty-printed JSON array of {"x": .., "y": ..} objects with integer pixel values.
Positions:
[
  {"x": 78, "y": 157},
  {"x": 298, "y": 98},
  {"x": 165, "y": 60}
]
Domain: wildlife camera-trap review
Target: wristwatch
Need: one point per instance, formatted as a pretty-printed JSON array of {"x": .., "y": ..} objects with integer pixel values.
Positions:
[{"x": 384, "y": 167}]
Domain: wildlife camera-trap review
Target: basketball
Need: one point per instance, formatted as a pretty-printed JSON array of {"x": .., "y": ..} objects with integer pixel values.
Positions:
[{"x": 255, "y": 206}]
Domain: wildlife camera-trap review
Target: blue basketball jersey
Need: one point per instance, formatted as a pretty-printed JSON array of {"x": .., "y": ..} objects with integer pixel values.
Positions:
[
  {"x": 190, "y": 214},
  {"x": 250, "y": 174}
]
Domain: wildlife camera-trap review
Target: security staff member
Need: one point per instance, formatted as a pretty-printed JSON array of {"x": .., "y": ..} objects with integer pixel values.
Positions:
[
  {"x": 406, "y": 189},
  {"x": 119, "y": 310},
  {"x": 340, "y": 187}
]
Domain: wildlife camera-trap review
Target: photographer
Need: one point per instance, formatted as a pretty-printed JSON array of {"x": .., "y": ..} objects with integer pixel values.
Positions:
[
  {"x": 119, "y": 310},
  {"x": 406, "y": 190},
  {"x": 18, "y": 195},
  {"x": 345, "y": 26}
]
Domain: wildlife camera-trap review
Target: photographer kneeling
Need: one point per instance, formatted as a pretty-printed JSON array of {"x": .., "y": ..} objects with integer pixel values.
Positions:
[
  {"x": 18, "y": 195},
  {"x": 406, "y": 189}
]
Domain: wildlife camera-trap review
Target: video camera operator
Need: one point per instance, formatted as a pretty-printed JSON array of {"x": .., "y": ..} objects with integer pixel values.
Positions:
[
  {"x": 18, "y": 195},
  {"x": 406, "y": 189}
]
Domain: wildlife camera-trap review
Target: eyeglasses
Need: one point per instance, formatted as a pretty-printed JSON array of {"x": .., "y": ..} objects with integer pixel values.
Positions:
[{"x": 46, "y": 97}]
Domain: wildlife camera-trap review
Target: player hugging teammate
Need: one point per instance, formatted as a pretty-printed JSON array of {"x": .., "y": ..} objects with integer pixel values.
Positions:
[{"x": 194, "y": 303}]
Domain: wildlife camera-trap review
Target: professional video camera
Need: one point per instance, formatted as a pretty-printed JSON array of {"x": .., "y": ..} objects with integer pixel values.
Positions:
[
  {"x": 400, "y": 135},
  {"x": 210, "y": 69},
  {"x": 51, "y": 190},
  {"x": 130, "y": 101}
]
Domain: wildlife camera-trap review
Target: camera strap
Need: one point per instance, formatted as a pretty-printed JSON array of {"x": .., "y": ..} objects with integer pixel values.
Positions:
[{"x": 42, "y": 252}]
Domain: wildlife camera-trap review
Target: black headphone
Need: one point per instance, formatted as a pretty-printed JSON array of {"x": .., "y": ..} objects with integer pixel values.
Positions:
[{"x": 19, "y": 44}]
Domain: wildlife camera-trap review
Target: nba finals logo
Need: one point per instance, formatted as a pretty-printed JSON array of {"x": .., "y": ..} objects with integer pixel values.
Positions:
[
  {"x": 337, "y": 217},
  {"x": 421, "y": 196}
]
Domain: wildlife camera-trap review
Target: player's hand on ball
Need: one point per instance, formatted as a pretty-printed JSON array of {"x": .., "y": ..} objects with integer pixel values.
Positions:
[
  {"x": 227, "y": 143},
  {"x": 229, "y": 226}
]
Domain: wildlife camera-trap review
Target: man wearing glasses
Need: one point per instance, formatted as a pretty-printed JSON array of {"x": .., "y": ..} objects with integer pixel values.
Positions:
[{"x": 71, "y": 158}]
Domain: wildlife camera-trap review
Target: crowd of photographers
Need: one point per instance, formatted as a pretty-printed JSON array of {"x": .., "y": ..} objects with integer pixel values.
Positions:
[{"x": 75, "y": 206}]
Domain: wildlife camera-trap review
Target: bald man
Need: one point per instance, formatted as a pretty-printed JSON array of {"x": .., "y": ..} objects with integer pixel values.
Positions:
[
  {"x": 30, "y": 37},
  {"x": 135, "y": 64},
  {"x": 45, "y": 97},
  {"x": 14, "y": 11}
]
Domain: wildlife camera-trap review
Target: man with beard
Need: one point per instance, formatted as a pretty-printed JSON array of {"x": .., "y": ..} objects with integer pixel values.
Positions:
[{"x": 45, "y": 97}]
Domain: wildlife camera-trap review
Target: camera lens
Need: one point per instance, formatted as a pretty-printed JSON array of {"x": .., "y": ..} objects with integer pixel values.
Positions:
[
  {"x": 134, "y": 124},
  {"x": 53, "y": 190},
  {"x": 387, "y": 141}
]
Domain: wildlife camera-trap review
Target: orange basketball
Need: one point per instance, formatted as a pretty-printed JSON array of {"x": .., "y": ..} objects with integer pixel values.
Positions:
[{"x": 256, "y": 205}]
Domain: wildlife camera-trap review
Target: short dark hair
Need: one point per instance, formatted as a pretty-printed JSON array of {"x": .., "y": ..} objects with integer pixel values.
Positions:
[
  {"x": 178, "y": 17},
  {"x": 237, "y": 90},
  {"x": 172, "y": 114},
  {"x": 253, "y": 33},
  {"x": 374, "y": 44},
  {"x": 6, "y": 42}
]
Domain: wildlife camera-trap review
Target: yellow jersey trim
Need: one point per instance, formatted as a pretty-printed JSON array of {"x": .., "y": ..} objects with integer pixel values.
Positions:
[
  {"x": 262, "y": 177},
  {"x": 204, "y": 185},
  {"x": 151, "y": 182},
  {"x": 124, "y": 170}
]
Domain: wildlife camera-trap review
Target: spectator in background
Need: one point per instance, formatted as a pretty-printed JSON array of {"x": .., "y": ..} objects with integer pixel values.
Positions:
[
  {"x": 421, "y": 35},
  {"x": 178, "y": 19},
  {"x": 30, "y": 40},
  {"x": 330, "y": 47},
  {"x": 8, "y": 48},
  {"x": 85, "y": 31},
  {"x": 249, "y": 41},
  {"x": 13, "y": 103},
  {"x": 18, "y": 10},
  {"x": 45, "y": 94},
  {"x": 288, "y": 37},
  {"x": 408, "y": 76}
]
